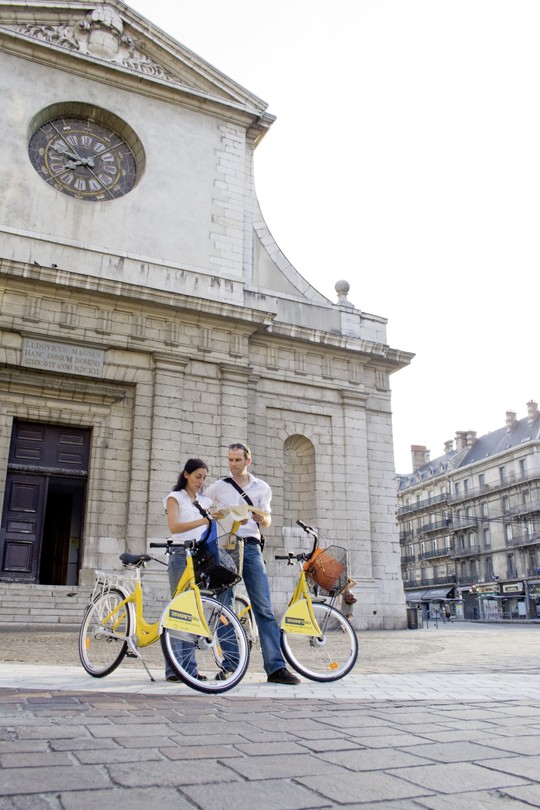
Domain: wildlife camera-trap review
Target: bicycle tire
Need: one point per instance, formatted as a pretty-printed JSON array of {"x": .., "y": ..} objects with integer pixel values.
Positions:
[
  {"x": 327, "y": 658},
  {"x": 191, "y": 655},
  {"x": 101, "y": 653}
]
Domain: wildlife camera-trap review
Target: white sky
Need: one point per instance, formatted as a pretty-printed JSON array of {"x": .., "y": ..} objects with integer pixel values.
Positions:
[{"x": 405, "y": 159}]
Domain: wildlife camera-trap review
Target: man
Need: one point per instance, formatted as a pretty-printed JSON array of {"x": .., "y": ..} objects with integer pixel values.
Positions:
[{"x": 224, "y": 494}]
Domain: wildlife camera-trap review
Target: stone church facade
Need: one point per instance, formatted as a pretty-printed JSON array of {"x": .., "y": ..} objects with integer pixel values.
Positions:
[{"x": 147, "y": 315}]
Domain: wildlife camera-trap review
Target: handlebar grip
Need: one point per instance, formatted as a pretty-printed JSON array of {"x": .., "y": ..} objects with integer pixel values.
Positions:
[{"x": 159, "y": 545}]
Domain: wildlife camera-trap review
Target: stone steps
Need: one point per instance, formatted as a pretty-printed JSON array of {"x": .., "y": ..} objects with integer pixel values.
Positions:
[{"x": 64, "y": 605}]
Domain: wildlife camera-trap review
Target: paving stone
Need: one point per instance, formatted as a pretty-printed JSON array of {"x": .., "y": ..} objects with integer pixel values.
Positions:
[
  {"x": 275, "y": 794},
  {"x": 169, "y": 773},
  {"x": 477, "y": 800},
  {"x": 32, "y": 760},
  {"x": 41, "y": 780},
  {"x": 455, "y": 752},
  {"x": 373, "y": 759},
  {"x": 521, "y": 766},
  {"x": 452, "y": 778},
  {"x": 201, "y": 752},
  {"x": 365, "y": 786},
  {"x": 125, "y": 799},
  {"x": 107, "y": 756},
  {"x": 279, "y": 767}
]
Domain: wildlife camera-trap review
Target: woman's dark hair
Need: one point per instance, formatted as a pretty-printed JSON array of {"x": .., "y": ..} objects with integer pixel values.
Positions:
[{"x": 191, "y": 465}]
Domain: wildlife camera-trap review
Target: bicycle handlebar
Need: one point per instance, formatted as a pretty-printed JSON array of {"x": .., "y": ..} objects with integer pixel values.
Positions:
[
  {"x": 304, "y": 555},
  {"x": 171, "y": 544}
]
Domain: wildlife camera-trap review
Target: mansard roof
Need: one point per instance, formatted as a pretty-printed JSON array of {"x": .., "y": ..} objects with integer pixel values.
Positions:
[
  {"x": 109, "y": 35},
  {"x": 431, "y": 469},
  {"x": 502, "y": 440}
]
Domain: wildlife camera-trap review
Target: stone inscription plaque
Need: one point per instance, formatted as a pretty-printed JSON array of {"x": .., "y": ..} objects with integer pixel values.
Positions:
[{"x": 63, "y": 357}]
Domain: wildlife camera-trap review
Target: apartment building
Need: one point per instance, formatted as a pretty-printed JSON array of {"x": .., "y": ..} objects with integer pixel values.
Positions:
[{"x": 469, "y": 523}]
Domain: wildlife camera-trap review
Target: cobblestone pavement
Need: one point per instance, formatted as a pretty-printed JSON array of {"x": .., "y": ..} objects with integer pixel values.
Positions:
[{"x": 434, "y": 718}]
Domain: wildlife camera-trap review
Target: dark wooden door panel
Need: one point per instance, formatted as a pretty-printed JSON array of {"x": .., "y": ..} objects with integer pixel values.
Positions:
[{"x": 22, "y": 519}]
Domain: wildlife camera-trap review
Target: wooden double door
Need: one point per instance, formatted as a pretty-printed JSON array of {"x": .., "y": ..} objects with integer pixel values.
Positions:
[{"x": 44, "y": 501}]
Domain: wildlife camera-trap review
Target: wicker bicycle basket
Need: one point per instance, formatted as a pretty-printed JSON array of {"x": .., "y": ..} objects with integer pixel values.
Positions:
[{"x": 327, "y": 569}]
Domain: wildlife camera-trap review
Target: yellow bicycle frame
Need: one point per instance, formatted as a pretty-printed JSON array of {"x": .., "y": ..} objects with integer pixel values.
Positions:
[
  {"x": 184, "y": 612},
  {"x": 299, "y": 616}
]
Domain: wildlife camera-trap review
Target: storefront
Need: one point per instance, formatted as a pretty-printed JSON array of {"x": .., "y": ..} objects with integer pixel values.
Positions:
[
  {"x": 534, "y": 599},
  {"x": 513, "y": 600}
]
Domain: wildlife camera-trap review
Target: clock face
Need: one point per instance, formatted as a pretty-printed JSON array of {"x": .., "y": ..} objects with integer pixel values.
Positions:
[{"x": 83, "y": 159}]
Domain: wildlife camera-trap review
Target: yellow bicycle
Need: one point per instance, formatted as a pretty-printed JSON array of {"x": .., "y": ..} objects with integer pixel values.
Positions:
[
  {"x": 197, "y": 632},
  {"x": 316, "y": 638}
]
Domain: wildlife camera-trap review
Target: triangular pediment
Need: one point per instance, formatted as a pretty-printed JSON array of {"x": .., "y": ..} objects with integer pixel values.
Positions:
[{"x": 111, "y": 34}]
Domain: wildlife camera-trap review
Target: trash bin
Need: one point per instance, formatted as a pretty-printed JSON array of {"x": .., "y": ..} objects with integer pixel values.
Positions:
[
  {"x": 412, "y": 618},
  {"x": 420, "y": 616}
]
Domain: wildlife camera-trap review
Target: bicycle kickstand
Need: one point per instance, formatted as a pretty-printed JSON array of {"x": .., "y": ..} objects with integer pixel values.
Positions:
[{"x": 134, "y": 653}]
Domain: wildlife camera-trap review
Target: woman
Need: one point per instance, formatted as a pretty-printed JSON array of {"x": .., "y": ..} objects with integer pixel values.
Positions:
[{"x": 185, "y": 509}]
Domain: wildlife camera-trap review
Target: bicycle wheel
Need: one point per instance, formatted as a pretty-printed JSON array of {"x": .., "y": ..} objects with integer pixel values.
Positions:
[
  {"x": 247, "y": 620},
  {"x": 102, "y": 644},
  {"x": 328, "y": 657},
  {"x": 221, "y": 660}
]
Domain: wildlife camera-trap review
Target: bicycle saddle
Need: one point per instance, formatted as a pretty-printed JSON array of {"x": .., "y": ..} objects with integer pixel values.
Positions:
[{"x": 134, "y": 559}]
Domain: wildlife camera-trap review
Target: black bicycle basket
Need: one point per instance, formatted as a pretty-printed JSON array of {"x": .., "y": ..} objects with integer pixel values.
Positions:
[{"x": 214, "y": 568}]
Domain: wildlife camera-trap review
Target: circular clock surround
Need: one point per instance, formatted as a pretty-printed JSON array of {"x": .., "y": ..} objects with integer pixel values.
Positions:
[{"x": 85, "y": 152}]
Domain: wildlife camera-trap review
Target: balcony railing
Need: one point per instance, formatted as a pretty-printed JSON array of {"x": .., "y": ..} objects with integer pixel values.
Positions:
[
  {"x": 463, "y": 522},
  {"x": 523, "y": 540},
  {"x": 437, "y": 526},
  {"x": 510, "y": 479},
  {"x": 470, "y": 551},
  {"x": 424, "y": 504},
  {"x": 437, "y": 552},
  {"x": 408, "y": 558},
  {"x": 530, "y": 508}
]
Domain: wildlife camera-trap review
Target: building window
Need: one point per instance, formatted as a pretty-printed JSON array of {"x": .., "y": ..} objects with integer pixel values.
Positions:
[
  {"x": 523, "y": 467},
  {"x": 505, "y": 504},
  {"x": 485, "y": 509},
  {"x": 481, "y": 480},
  {"x": 456, "y": 488},
  {"x": 474, "y": 570},
  {"x": 508, "y": 532},
  {"x": 487, "y": 538},
  {"x": 466, "y": 485},
  {"x": 502, "y": 474},
  {"x": 461, "y": 542},
  {"x": 488, "y": 562},
  {"x": 510, "y": 566}
]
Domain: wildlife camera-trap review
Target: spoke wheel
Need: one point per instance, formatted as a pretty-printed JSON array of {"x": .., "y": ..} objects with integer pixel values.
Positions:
[
  {"x": 328, "y": 657},
  {"x": 222, "y": 659},
  {"x": 247, "y": 620},
  {"x": 102, "y": 644}
]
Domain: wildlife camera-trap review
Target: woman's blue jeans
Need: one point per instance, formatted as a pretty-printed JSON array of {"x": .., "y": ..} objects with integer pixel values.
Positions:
[{"x": 184, "y": 650}]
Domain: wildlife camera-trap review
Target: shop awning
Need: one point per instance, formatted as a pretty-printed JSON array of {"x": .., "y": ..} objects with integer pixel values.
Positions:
[
  {"x": 436, "y": 594},
  {"x": 414, "y": 596}
]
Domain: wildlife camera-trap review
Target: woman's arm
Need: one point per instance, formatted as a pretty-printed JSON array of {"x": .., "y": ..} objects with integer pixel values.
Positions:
[{"x": 176, "y": 524}]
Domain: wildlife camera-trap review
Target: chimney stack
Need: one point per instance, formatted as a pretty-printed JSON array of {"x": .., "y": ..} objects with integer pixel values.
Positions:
[
  {"x": 449, "y": 446},
  {"x": 511, "y": 420},
  {"x": 420, "y": 456},
  {"x": 461, "y": 439},
  {"x": 532, "y": 411},
  {"x": 471, "y": 438}
]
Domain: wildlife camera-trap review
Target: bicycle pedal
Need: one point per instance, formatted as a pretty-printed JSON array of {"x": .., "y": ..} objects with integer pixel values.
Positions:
[{"x": 131, "y": 654}]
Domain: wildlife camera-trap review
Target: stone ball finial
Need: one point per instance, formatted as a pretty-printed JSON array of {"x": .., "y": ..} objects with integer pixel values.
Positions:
[{"x": 342, "y": 288}]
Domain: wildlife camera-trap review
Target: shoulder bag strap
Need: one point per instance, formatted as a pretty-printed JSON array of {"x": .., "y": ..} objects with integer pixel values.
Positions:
[{"x": 247, "y": 499}]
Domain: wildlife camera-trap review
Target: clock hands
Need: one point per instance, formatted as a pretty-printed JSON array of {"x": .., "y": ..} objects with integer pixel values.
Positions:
[{"x": 62, "y": 149}]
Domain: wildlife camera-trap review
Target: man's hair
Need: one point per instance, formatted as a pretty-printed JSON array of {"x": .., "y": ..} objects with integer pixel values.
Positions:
[{"x": 240, "y": 446}]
